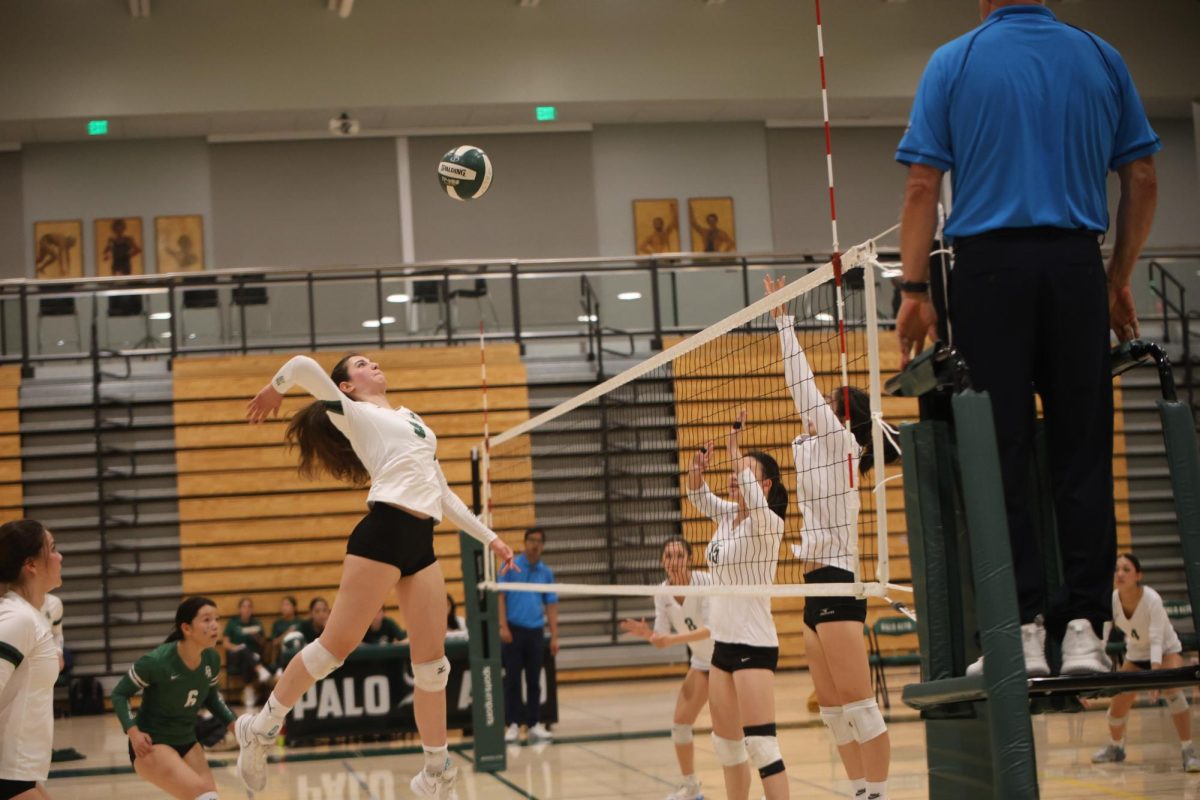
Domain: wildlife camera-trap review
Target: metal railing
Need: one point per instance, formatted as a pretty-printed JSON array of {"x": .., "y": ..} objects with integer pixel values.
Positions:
[{"x": 1174, "y": 312}]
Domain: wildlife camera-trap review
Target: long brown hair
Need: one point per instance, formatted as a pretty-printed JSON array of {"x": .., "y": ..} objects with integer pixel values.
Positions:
[{"x": 323, "y": 448}]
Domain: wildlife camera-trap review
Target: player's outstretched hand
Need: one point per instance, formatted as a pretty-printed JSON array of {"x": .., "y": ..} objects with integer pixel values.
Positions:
[
  {"x": 141, "y": 742},
  {"x": 265, "y": 404},
  {"x": 703, "y": 456},
  {"x": 505, "y": 554},
  {"x": 637, "y": 627},
  {"x": 770, "y": 287}
]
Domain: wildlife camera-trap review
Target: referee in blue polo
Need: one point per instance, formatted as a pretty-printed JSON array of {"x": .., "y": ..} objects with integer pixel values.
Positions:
[{"x": 1028, "y": 115}]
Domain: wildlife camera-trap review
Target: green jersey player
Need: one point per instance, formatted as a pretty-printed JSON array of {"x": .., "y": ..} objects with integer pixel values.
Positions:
[{"x": 176, "y": 679}]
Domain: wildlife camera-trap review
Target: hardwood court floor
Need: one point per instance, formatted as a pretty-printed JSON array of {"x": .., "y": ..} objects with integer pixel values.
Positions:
[{"x": 612, "y": 744}]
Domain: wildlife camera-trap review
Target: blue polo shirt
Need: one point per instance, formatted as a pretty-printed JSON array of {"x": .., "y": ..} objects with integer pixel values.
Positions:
[
  {"x": 1028, "y": 115},
  {"x": 527, "y": 609}
]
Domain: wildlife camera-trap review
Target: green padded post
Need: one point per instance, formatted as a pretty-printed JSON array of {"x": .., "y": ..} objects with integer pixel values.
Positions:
[
  {"x": 1013, "y": 756},
  {"x": 1183, "y": 459},
  {"x": 483, "y": 647}
]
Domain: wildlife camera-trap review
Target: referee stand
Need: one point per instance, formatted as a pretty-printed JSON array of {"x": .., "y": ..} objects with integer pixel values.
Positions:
[{"x": 979, "y": 734}]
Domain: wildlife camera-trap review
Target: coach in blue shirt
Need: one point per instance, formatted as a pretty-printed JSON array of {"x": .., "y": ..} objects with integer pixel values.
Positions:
[
  {"x": 1028, "y": 115},
  {"x": 523, "y": 618}
]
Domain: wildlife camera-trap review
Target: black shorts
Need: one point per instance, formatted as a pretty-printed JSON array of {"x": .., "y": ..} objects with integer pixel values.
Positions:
[
  {"x": 9, "y": 789},
  {"x": 732, "y": 657},
  {"x": 394, "y": 536},
  {"x": 1142, "y": 665},
  {"x": 832, "y": 609},
  {"x": 182, "y": 749}
]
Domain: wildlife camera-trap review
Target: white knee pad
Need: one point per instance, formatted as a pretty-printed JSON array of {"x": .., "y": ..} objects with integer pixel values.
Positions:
[
  {"x": 681, "y": 734},
  {"x": 1177, "y": 703},
  {"x": 1114, "y": 721},
  {"x": 762, "y": 746},
  {"x": 432, "y": 676},
  {"x": 317, "y": 660},
  {"x": 865, "y": 720},
  {"x": 839, "y": 726},
  {"x": 730, "y": 752}
]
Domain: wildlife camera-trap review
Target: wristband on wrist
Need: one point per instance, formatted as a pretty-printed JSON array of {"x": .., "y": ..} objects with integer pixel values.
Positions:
[{"x": 914, "y": 287}]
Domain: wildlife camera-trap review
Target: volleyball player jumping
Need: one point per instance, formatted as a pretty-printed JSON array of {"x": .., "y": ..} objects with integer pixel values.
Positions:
[
  {"x": 682, "y": 620},
  {"x": 744, "y": 551},
  {"x": 828, "y": 499},
  {"x": 352, "y": 433}
]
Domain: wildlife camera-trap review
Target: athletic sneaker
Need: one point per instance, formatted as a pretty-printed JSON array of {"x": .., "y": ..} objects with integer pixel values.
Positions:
[
  {"x": 512, "y": 733},
  {"x": 442, "y": 786},
  {"x": 540, "y": 731},
  {"x": 1190, "y": 762},
  {"x": 1082, "y": 650},
  {"x": 1033, "y": 645},
  {"x": 1110, "y": 754},
  {"x": 688, "y": 790},
  {"x": 252, "y": 758}
]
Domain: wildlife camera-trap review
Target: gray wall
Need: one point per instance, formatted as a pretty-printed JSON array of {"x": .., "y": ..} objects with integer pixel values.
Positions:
[
  {"x": 12, "y": 219},
  {"x": 541, "y": 203},
  {"x": 868, "y": 182},
  {"x": 681, "y": 161},
  {"x": 305, "y": 204},
  {"x": 114, "y": 179},
  {"x": 1177, "y": 221}
]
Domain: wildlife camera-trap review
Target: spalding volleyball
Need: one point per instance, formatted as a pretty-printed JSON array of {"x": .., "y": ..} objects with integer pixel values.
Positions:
[{"x": 465, "y": 173}]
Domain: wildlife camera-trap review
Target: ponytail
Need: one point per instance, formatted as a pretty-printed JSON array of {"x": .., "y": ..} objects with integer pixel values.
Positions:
[
  {"x": 323, "y": 448},
  {"x": 861, "y": 426},
  {"x": 777, "y": 495},
  {"x": 186, "y": 613}
]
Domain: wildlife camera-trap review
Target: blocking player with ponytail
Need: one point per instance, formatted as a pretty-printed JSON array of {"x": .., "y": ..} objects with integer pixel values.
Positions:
[
  {"x": 352, "y": 433},
  {"x": 176, "y": 679},
  {"x": 829, "y": 504},
  {"x": 744, "y": 550}
]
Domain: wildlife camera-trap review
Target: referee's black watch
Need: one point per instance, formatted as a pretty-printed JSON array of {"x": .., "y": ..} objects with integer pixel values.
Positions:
[{"x": 914, "y": 287}]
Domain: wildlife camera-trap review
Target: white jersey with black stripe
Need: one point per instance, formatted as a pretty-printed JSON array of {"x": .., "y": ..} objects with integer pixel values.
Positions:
[
  {"x": 1149, "y": 634},
  {"x": 395, "y": 445},
  {"x": 691, "y": 615},
  {"x": 826, "y": 462},
  {"x": 742, "y": 553},
  {"x": 28, "y": 670}
]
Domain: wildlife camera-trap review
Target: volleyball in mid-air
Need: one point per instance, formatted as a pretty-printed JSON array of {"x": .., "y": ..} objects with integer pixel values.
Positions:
[{"x": 465, "y": 173}]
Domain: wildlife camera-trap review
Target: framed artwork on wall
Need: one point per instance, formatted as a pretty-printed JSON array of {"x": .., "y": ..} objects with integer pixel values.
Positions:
[
  {"x": 119, "y": 246},
  {"x": 655, "y": 226},
  {"x": 179, "y": 243},
  {"x": 711, "y": 222},
  {"x": 58, "y": 249}
]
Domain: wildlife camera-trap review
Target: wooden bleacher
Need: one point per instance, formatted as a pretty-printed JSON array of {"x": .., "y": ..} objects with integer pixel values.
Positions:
[
  {"x": 251, "y": 526},
  {"x": 707, "y": 396},
  {"x": 12, "y": 500}
]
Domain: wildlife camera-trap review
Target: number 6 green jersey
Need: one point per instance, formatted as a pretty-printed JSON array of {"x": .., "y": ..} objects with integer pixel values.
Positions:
[{"x": 172, "y": 694}]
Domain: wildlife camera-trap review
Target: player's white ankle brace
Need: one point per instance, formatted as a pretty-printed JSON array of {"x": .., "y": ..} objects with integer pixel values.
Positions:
[
  {"x": 318, "y": 661},
  {"x": 865, "y": 719},
  {"x": 730, "y": 752},
  {"x": 1114, "y": 721},
  {"x": 763, "y": 748},
  {"x": 839, "y": 726},
  {"x": 432, "y": 676},
  {"x": 681, "y": 734}
]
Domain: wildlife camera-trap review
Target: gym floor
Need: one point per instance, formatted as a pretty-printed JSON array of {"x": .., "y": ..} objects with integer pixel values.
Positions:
[{"x": 612, "y": 743}]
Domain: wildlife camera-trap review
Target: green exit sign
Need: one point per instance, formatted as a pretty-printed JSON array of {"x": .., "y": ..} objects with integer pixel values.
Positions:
[
  {"x": 546, "y": 113},
  {"x": 98, "y": 127}
]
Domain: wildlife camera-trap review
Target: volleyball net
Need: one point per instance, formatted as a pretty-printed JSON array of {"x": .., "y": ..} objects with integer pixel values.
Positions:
[{"x": 606, "y": 473}]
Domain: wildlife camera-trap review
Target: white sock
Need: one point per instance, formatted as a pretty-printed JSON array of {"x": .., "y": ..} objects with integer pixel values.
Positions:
[
  {"x": 1118, "y": 742},
  {"x": 207, "y": 796},
  {"x": 1185, "y": 745},
  {"x": 437, "y": 760},
  {"x": 877, "y": 791},
  {"x": 859, "y": 787},
  {"x": 690, "y": 780},
  {"x": 269, "y": 718}
]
